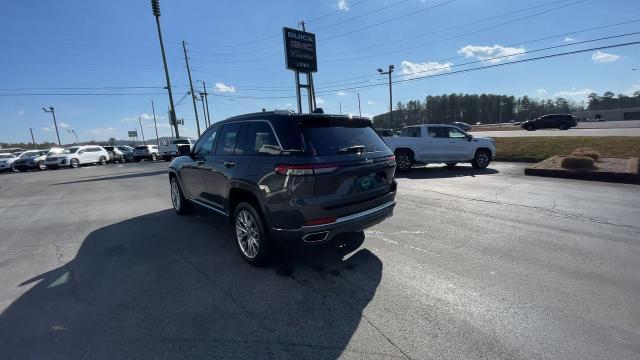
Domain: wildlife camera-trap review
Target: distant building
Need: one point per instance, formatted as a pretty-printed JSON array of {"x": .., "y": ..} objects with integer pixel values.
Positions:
[{"x": 632, "y": 113}]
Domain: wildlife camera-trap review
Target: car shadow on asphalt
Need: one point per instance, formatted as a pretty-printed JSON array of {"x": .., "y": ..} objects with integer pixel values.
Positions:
[
  {"x": 175, "y": 287},
  {"x": 438, "y": 172}
]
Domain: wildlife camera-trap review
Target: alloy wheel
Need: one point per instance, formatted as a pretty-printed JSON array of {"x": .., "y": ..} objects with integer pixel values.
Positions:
[
  {"x": 247, "y": 234},
  {"x": 175, "y": 194}
]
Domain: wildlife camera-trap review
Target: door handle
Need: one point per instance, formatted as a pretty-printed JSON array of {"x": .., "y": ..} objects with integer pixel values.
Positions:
[{"x": 229, "y": 164}]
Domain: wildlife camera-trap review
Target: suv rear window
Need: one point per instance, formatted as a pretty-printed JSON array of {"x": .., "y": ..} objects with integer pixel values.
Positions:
[
  {"x": 329, "y": 139},
  {"x": 141, "y": 147}
]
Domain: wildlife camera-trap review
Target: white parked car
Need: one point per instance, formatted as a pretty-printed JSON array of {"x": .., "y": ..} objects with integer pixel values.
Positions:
[
  {"x": 148, "y": 152},
  {"x": 6, "y": 161},
  {"x": 436, "y": 143},
  {"x": 78, "y": 155},
  {"x": 169, "y": 149},
  {"x": 34, "y": 159}
]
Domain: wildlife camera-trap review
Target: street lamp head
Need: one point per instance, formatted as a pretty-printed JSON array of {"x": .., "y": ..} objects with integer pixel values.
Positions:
[
  {"x": 391, "y": 67},
  {"x": 380, "y": 70},
  {"x": 44, "y": 109},
  {"x": 155, "y": 6}
]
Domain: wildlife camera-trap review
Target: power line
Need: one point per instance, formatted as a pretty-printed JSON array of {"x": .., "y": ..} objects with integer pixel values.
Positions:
[
  {"x": 492, "y": 66},
  {"x": 448, "y": 28},
  {"x": 82, "y": 94},
  {"x": 395, "y": 51},
  {"x": 388, "y": 20},
  {"x": 361, "y": 15},
  {"x": 448, "y": 66}
]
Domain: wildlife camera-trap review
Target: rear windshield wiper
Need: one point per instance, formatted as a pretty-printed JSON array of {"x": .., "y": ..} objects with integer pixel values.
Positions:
[{"x": 352, "y": 149}]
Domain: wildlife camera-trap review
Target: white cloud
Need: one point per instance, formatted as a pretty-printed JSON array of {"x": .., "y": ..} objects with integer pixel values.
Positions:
[
  {"x": 370, "y": 102},
  {"x": 48, "y": 129},
  {"x": 104, "y": 131},
  {"x": 574, "y": 93},
  {"x": 342, "y": 5},
  {"x": 224, "y": 88},
  {"x": 319, "y": 101},
  {"x": 603, "y": 57},
  {"x": 143, "y": 116},
  {"x": 63, "y": 125},
  {"x": 490, "y": 53},
  {"x": 541, "y": 92},
  {"x": 413, "y": 70},
  {"x": 569, "y": 39},
  {"x": 341, "y": 93}
]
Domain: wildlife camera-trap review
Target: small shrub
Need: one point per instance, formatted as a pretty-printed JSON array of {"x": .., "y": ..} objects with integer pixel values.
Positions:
[
  {"x": 577, "y": 163},
  {"x": 588, "y": 152}
]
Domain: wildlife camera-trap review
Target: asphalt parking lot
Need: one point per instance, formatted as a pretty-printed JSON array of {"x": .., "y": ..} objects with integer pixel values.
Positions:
[{"x": 94, "y": 264}]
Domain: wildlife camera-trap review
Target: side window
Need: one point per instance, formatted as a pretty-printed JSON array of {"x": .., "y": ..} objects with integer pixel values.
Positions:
[
  {"x": 204, "y": 146},
  {"x": 411, "y": 131},
  {"x": 438, "y": 132},
  {"x": 228, "y": 137},
  {"x": 260, "y": 139},
  {"x": 456, "y": 134}
]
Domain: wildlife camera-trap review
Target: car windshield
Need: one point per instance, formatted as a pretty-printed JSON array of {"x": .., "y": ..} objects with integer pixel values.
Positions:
[
  {"x": 53, "y": 152},
  {"x": 72, "y": 150},
  {"x": 28, "y": 154}
]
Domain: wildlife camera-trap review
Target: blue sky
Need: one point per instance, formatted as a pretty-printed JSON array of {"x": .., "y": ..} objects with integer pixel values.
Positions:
[{"x": 57, "y": 47}]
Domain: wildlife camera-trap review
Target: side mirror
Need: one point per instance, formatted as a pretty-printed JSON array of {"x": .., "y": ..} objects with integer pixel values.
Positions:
[
  {"x": 184, "y": 150},
  {"x": 469, "y": 137},
  {"x": 80, "y": 152}
]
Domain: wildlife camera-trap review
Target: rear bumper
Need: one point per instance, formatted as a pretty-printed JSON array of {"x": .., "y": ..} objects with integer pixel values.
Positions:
[{"x": 324, "y": 233}]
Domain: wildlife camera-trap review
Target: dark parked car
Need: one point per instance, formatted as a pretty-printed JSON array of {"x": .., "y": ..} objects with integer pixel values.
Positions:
[
  {"x": 289, "y": 178},
  {"x": 552, "y": 121},
  {"x": 127, "y": 152}
]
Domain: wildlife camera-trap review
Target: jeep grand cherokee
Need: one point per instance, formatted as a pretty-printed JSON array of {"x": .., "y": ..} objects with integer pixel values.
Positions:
[{"x": 285, "y": 177}]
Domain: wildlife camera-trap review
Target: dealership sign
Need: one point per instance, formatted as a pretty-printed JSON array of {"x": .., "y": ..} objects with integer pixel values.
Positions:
[
  {"x": 300, "y": 50},
  {"x": 133, "y": 133}
]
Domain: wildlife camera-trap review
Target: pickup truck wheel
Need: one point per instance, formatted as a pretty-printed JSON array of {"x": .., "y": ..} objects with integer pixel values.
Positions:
[
  {"x": 251, "y": 234},
  {"x": 450, "y": 165},
  {"x": 180, "y": 204},
  {"x": 154, "y": 157},
  {"x": 404, "y": 160},
  {"x": 481, "y": 160}
]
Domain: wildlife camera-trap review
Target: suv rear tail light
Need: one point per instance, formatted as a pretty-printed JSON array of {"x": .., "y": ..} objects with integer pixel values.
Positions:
[
  {"x": 392, "y": 159},
  {"x": 305, "y": 170}
]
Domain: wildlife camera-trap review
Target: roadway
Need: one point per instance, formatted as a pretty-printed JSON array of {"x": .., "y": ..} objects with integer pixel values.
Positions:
[
  {"x": 94, "y": 264},
  {"x": 605, "y": 128}
]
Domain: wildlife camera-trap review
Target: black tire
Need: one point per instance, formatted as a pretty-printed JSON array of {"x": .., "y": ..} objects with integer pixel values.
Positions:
[
  {"x": 42, "y": 165},
  {"x": 563, "y": 127},
  {"x": 482, "y": 159},
  {"x": 102, "y": 160},
  {"x": 13, "y": 168},
  {"x": 154, "y": 157},
  {"x": 180, "y": 204},
  {"x": 252, "y": 237},
  {"x": 166, "y": 158},
  {"x": 74, "y": 163},
  {"x": 450, "y": 165},
  {"x": 404, "y": 160},
  {"x": 530, "y": 128}
]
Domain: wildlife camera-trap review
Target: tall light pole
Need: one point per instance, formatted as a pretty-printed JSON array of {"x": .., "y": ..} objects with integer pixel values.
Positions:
[
  {"x": 33, "y": 140},
  {"x": 55, "y": 123},
  {"x": 155, "y": 6},
  {"x": 205, "y": 100},
  {"x": 142, "y": 131},
  {"x": 359, "y": 108},
  {"x": 193, "y": 95},
  {"x": 73, "y": 131},
  {"x": 153, "y": 109},
  {"x": 389, "y": 72}
]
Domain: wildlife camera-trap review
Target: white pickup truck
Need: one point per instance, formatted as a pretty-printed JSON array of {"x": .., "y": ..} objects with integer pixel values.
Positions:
[
  {"x": 169, "y": 148},
  {"x": 437, "y": 143}
]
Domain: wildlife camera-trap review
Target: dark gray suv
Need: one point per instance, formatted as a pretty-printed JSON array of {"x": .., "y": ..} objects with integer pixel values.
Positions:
[{"x": 287, "y": 178}]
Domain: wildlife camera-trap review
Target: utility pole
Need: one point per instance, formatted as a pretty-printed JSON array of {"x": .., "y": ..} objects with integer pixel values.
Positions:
[
  {"x": 153, "y": 109},
  {"x": 55, "y": 123},
  {"x": 33, "y": 140},
  {"x": 193, "y": 95},
  {"x": 500, "y": 114},
  {"x": 170, "y": 127},
  {"x": 359, "y": 108},
  {"x": 204, "y": 110},
  {"x": 389, "y": 72},
  {"x": 206, "y": 100},
  {"x": 340, "y": 107},
  {"x": 141, "y": 131},
  {"x": 155, "y": 6}
]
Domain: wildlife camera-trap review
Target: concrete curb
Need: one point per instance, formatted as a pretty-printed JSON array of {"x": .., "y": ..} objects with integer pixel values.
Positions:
[{"x": 630, "y": 177}]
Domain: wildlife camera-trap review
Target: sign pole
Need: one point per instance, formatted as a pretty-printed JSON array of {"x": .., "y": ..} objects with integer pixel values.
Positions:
[{"x": 298, "y": 95}]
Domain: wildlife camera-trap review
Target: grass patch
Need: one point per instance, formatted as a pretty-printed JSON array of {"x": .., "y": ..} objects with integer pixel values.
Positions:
[{"x": 540, "y": 148}]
